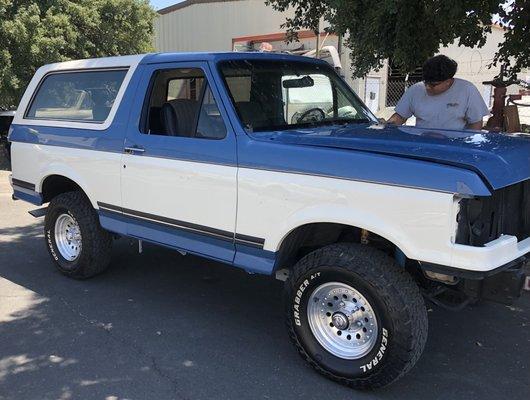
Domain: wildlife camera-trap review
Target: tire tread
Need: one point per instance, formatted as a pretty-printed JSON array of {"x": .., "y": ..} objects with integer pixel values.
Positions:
[
  {"x": 394, "y": 285},
  {"x": 97, "y": 242}
]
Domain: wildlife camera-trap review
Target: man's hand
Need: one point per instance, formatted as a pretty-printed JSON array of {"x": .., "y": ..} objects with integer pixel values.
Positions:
[
  {"x": 396, "y": 119},
  {"x": 475, "y": 126}
]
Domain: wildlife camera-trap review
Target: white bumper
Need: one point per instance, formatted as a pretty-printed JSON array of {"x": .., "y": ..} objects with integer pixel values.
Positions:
[{"x": 493, "y": 255}]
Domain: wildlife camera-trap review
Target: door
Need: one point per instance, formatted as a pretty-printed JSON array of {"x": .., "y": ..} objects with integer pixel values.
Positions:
[
  {"x": 179, "y": 163},
  {"x": 371, "y": 94}
]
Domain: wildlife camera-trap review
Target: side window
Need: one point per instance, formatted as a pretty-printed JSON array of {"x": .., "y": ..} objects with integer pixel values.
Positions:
[
  {"x": 185, "y": 88},
  {"x": 181, "y": 104},
  {"x": 81, "y": 96}
]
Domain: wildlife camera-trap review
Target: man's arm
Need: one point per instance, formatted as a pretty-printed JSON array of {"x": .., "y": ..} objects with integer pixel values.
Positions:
[
  {"x": 404, "y": 107},
  {"x": 396, "y": 119},
  {"x": 476, "y": 108}
]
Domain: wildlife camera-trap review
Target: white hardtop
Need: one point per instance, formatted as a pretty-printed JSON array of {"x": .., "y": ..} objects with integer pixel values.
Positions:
[
  {"x": 103, "y": 62},
  {"x": 130, "y": 62}
]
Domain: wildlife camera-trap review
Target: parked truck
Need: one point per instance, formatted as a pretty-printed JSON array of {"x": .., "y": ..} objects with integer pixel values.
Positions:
[{"x": 200, "y": 153}]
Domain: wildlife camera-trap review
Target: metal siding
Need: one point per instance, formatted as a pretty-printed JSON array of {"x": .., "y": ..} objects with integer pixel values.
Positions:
[{"x": 211, "y": 26}]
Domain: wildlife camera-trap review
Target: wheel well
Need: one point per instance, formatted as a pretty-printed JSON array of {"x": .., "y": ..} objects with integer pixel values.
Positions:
[
  {"x": 310, "y": 237},
  {"x": 54, "y": 185}
]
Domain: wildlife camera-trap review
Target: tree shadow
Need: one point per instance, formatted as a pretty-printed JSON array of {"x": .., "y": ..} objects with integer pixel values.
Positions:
[{"x": 163, "y": 325}]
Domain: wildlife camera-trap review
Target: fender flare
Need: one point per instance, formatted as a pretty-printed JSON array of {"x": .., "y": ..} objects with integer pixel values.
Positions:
[
  {"x": 333, "y": 213},
  {"x": 63, "y": 170}
]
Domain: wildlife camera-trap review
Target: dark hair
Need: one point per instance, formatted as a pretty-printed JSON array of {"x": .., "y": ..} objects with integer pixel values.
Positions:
[{"x": 439, "y": 68}]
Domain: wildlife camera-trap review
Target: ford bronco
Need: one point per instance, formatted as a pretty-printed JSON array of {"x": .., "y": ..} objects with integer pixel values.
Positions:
[{"x": 272, "y": 164}]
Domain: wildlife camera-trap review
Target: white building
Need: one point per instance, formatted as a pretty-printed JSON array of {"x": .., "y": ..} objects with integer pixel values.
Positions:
[{"x": 224, "y": 25}]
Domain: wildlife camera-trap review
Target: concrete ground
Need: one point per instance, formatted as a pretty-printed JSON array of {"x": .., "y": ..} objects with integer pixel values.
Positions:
[{"x": 164, "y": 326}]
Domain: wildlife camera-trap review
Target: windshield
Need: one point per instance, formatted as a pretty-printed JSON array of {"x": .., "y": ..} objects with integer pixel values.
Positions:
[{"x": 273, "y": 94}]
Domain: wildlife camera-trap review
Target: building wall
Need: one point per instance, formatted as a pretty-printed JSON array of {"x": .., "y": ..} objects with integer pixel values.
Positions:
[
  {"x": 211, "y": 26},
  {"x": 473, "y": 62}
]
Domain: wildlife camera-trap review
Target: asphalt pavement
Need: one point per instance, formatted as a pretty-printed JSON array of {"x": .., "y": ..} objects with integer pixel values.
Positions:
[{"x": 160, "y": 325}]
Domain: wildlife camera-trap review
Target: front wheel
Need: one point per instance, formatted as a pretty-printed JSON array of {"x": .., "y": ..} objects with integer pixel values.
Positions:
[
  {"x": 355, "y": 316},
  {"x": 78, "y": 245}
]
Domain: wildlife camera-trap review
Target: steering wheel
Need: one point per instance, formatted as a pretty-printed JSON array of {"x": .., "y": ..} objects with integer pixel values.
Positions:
[{"x": 312, "y": 115}]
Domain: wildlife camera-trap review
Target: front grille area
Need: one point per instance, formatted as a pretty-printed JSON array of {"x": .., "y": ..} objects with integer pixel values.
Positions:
[{"x": 484, "y": 219}]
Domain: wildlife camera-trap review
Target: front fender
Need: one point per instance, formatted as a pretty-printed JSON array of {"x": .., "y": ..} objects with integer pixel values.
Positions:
[{"x": 332, "y": 213}]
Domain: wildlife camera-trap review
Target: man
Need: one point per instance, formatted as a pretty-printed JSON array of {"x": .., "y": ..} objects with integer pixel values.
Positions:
[{"x": 441, "y": 101}]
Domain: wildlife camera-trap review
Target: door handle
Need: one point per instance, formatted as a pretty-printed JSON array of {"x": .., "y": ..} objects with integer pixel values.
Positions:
[{"x": 133, "y": 150}]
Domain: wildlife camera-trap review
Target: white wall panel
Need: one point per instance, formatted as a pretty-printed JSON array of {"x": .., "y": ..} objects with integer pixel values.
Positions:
[{"x": 211, "y": 26}]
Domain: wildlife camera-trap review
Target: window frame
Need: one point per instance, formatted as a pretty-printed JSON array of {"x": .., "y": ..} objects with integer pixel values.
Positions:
[
  {"x": 143, "y": 125},
  {"x": 70, "y": 122}
]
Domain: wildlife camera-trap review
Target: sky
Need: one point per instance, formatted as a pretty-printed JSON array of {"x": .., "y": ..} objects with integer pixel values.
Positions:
[{"x": 158, "y": 4}]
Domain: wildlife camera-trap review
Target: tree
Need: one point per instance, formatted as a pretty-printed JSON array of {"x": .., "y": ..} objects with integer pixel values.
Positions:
[
  {"x": 38, "y": 32},
  {"x": 410, "y": 31}
]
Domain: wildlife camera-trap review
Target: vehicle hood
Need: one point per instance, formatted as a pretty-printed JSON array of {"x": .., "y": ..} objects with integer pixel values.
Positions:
[{"x": 501, "y": 159}]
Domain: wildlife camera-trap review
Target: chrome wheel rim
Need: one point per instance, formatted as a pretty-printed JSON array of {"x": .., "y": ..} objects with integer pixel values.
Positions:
[
  {"x": 342, "y": 320},
  {"x": 68, "y": 237}
]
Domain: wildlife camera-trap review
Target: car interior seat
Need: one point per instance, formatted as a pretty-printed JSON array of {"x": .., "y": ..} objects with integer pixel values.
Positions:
[{"x": 178, "y": 117}]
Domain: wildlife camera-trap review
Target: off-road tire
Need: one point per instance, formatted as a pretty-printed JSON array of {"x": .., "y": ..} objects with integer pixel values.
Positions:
[
  {"x": 95, "y": 254},
  {"x": 395, "y": 299}
]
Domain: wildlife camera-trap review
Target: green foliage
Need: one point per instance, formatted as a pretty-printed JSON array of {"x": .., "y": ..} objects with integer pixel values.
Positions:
[
  {"x": 38, "y": 32},
  {"x": 410, "y": 31},
  {"x": 514, "y": 53}
]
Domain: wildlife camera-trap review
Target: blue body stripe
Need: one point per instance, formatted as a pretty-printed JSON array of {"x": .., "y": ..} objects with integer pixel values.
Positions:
[
  {"x": 109, "y": 140},
  {"x": 259, "y": 154},
  {"x": 31, "y": 197},
  {"x": 498, "y": 159},
  {"x": 357, "y": 165},
  {"x": 255, "y": 260},
  {"x": 242, "y": 256}
]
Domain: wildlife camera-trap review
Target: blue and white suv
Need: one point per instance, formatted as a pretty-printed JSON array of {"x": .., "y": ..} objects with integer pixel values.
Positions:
[{"x": 236, "y": 157}]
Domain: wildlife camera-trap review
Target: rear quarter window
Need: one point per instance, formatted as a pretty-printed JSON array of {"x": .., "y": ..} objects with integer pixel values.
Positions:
[{"x": 81, "y": 96}]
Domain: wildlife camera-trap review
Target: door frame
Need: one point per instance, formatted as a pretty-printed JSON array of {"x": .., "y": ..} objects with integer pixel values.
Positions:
[{"x": 197, "y": 154}]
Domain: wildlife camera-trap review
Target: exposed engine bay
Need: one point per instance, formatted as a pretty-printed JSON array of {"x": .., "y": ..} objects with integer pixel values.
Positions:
[
  {"x": 484, "y": 219},
  {"x": 480, "y": 221}
]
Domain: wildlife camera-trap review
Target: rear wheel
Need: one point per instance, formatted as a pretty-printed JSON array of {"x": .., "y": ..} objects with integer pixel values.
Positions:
[
  {"x": 78, "y": 245},
  {"x": 355, "y": 316}
]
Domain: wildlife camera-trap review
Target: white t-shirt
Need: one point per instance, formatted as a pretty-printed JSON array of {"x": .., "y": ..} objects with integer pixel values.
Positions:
[{"x": 458, "y": 106}]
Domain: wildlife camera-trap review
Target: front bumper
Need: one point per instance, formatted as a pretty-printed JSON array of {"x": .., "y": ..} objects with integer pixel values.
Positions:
[{"x": 492, "y": 256}]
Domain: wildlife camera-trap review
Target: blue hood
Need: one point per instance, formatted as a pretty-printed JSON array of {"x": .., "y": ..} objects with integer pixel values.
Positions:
[{"x": 501, "y": 159}]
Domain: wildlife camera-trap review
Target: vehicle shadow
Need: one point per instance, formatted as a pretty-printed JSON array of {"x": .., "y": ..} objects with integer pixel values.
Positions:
[{"x": 162, "y": 325}]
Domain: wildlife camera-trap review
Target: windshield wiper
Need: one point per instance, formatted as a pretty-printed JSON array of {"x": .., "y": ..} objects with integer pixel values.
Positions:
[
  {"x": 345, "y": 121},
  {"x": 313, "y": 124}
]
